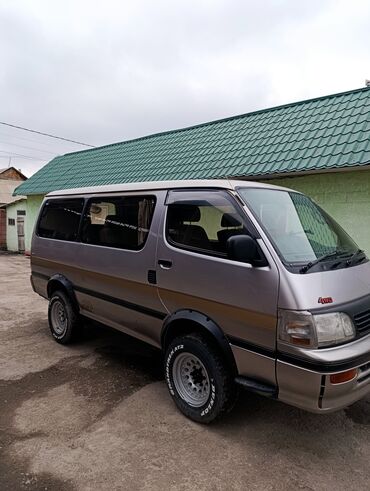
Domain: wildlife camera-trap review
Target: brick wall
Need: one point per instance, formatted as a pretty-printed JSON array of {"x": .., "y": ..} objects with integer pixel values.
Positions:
[
  {"x": 344, "y": 195},
  {"x": 2, "y": 228}
]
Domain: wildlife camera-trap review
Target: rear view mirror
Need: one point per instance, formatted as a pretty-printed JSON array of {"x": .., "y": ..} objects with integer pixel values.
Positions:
[{"x": 242, "y": 248}]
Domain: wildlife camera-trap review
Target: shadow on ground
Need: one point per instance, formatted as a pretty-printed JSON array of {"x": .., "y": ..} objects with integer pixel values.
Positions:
[
  {"x": 119, "y": 366},
  {"x": 112, "y": 366}
]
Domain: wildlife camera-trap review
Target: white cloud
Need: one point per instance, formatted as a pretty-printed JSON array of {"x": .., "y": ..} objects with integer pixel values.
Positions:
[{"x": 108, "y": 71}]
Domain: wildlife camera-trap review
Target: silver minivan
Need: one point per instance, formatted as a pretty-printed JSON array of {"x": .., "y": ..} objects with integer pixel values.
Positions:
[{"x": 239, "y": 283}]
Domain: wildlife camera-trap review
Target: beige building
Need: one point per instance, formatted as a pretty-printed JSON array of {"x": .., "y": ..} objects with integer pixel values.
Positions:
[{"x": 10, "y": 178}]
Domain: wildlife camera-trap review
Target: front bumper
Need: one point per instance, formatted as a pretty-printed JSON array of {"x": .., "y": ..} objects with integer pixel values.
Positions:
[{"x": 306, "y": 384}]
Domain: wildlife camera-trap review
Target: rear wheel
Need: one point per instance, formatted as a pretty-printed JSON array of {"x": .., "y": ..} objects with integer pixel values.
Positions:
[
  {"x": 198, "y": 379},
  {"x": 63, "y": 318}
]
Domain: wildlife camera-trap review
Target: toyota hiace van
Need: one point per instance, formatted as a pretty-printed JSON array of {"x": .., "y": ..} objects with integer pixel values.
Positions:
[{"x": 239, "y": 283}]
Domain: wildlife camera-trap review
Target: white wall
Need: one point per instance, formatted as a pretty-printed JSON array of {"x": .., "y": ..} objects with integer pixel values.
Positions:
[{"x": 11, "y": 230}]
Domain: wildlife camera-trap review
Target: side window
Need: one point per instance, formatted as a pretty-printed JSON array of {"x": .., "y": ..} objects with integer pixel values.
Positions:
[
  {"x": 202, "y": 220},
  {"x": 121, "y": 222},
  {"x": 60, "y": 219}
]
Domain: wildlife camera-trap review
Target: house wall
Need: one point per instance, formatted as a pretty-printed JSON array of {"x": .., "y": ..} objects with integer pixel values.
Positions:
[
  {"x": 12, "y": 173},
  {"x": 11, "y": 230},
  {"x": 33, "y": 207},
  {"x": 7, "y": 187},
  {"x": 344, "y": 195},
  {"x": 2, "y": 228}
]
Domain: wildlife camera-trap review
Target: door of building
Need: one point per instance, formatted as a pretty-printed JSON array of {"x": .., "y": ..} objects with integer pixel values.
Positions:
[{"x": 20, "y": 233}]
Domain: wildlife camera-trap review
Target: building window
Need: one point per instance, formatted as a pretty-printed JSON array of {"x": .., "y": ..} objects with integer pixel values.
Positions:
[
  {"x": 21, "y": 212},
  {"x": 121, "y": 222},
  {"x": 60, "y": 219},
  {"x": 11, "y": 221}
]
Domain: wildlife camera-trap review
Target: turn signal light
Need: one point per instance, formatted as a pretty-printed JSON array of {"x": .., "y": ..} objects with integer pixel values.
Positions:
[{"x": 339, "y": 378}]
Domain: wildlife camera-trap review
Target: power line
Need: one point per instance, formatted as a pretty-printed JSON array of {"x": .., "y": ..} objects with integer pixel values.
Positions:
[
  {"x": 20, "y": 155},
  {"x": 46, "y": 134},
  {"x": 32, "y": 140},
  {"x": 29, "y": 148}
]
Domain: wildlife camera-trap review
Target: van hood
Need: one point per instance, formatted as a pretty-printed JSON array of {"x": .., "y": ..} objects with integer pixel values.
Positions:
[{"x": 315, "y": 290}]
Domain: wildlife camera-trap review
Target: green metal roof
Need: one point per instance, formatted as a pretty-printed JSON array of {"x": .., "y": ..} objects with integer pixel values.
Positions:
[{"x": 317, "y": 134}]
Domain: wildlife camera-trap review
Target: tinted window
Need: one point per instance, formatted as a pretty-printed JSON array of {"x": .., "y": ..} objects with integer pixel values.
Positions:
[
  {"x": 60, "y": 219},
  {"x": 122, "y": 222},
  {"x": 202, "y": 220}
]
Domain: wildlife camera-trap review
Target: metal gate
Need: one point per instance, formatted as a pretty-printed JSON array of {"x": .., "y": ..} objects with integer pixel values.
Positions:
[{"x": 20, "y": 233}]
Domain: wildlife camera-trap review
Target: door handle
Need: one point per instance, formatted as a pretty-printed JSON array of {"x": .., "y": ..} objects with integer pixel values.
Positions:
[{"x": 164, "y": 264}]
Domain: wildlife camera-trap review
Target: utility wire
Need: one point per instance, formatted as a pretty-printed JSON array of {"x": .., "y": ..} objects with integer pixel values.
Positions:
[
  {"x": 29, "y": 148},
  {"x": 32, "y": 140},
  {"x": 46, "y": 134},
  {"x": 20, "y": 155}
]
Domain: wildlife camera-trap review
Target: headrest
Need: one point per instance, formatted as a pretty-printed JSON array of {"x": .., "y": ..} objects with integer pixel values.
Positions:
[
  {"x": 228, "y": 220},
  {"x": 185, "y": 213}
]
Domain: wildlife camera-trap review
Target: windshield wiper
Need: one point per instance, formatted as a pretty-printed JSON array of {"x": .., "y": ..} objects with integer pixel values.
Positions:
[
  {"x": 311, "y": 264},
  {"x": 351, "y": 258},
  {"x": 337, "y": 253}
]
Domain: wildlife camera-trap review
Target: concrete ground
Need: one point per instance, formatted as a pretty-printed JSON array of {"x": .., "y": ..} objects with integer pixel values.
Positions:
[{"x": 97, "y": 416}]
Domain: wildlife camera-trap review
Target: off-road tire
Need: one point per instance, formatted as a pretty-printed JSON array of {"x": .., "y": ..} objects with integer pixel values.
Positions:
[
  {"x": 68, "y": 331},
  {"x": 222, "y": 394}
]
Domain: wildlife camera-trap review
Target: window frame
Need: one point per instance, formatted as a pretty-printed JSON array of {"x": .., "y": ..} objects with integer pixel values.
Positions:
[
  {"x": 115, "y": 196},
  {"x": 197, "y": 250},
  {"x": 54, "y": 200}
]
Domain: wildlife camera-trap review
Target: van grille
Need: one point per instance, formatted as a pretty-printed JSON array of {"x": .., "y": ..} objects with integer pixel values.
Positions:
[
  {"x": 362, "y": 322},
  {"x": 363, "y": 373}
]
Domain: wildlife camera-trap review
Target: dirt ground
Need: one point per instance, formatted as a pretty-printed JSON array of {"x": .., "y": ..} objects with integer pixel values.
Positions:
[{"x": 97, "y": 416}]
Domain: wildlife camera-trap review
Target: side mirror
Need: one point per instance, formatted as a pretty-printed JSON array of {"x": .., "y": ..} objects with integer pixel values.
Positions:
[{"x": 242, "y": 248}]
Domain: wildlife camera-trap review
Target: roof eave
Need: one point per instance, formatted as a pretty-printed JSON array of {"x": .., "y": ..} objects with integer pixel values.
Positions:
[{"x": 257, "y": 177}]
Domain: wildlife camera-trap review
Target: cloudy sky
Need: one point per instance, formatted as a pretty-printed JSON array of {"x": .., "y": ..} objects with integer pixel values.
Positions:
[{"x": 112, "y": 70}]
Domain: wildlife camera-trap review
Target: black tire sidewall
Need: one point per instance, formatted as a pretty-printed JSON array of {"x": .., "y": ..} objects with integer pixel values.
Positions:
[
  {"x": 66, "y": 336},
  {"x": 210, "y": 410}
]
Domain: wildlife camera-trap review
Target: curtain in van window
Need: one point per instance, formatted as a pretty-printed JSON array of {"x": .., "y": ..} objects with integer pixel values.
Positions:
[{"x": 146, "y": 208}]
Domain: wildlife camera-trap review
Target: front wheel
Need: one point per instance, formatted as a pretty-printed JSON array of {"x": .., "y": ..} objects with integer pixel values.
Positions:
[{"x": 198, "y": 379}]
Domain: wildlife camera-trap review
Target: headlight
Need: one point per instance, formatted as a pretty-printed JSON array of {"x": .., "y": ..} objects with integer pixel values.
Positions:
[
  {"x": 333, "y": 328},
  {"x": 301, "y": 328}
]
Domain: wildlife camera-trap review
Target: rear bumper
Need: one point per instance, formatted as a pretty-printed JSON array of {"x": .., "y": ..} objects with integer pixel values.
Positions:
[{"x": 32, "y": 283}]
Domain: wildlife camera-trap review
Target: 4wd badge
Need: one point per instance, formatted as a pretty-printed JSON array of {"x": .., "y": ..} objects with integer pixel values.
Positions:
[{"x": 325, "y": 300}]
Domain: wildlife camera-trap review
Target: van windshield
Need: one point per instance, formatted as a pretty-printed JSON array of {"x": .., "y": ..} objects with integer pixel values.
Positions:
[{"x": 300, "y": 231}]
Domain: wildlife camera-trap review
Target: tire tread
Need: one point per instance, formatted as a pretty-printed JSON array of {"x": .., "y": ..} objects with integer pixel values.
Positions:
[
  {"x": 227, "y": 392},
  {"x": 74, "y": 329}
]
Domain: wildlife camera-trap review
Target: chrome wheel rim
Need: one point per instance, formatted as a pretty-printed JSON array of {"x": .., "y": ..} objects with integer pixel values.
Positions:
[
  {"x": 59, "y": 318},
  {"x": 191, "y": 379}
]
